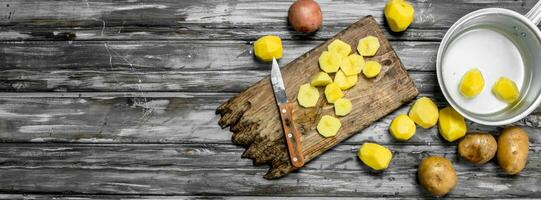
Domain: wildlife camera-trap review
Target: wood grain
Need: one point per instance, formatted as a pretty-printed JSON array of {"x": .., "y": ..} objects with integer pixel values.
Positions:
[{"x": 254, "y": 119}]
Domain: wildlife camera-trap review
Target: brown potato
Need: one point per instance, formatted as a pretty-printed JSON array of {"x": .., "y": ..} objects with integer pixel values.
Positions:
[
  {"x": 437, "y": 175},
  {"x": 513, "y": 150},
  {"x": 305, "y": 16},
  {"x": 478, "y": 148}
]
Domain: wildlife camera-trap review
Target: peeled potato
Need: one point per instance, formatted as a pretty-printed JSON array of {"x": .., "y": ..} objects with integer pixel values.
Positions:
[
  {"x": 345, "y": 82},
  {"x": 437, "y": 175},
  {"x": 308, "y": 96},
  {"x": 472, "y": 83},
  {"x": 321, "y": 79},
  {"x": 328, "y": 126},
  {"x": 506, "y": 90},
  {"x": 368, "y": 46},
  {"x": 333, "y": 92},
  {"x": 371, "y": 69},
  {"x": 268, "y": 47},
  {"x": 357, "y": 61},
  {"x": 402, "y": 127},
  {"x": 399, "y": 15},
  {"x": 348, "y": 67},
  {"x": 375, "y": 156},
  {"x": 330, "y": 61},
  {"x": 451, "y": 124},
  {"x": 339, "y": 47},
  {"x": 342, "y": 107},
  {"x": 424, "y": 112}
]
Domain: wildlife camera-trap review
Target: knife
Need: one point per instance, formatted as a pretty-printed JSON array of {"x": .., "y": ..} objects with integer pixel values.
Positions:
[{"x": 292, "y": 135}]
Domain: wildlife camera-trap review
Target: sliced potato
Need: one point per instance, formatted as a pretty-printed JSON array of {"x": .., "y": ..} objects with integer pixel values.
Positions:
[
  {"x": 345, "y": 82},
  {"x": 357, "y": 61},
  {"x": 333, "y": 92},
  {"x": 348, "y": 67},
  {"x": 330, "y": 61},
  {"x": 308, "y": 96},
  {"x": 371, "y": 69},
  {"x": 328, "y": 126},
  {"x": 342, "y": 107},
  {"x": 339, "y": 47},
  {"x": 321, "y": 79},
  {"x": 368, "y": 46}
]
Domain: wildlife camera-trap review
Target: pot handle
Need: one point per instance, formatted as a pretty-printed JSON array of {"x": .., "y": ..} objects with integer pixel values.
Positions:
[{"x": 535, "y": 13}]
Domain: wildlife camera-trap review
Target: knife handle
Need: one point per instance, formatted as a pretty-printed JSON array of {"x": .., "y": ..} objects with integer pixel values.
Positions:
[{"x": 292, "y": 135}]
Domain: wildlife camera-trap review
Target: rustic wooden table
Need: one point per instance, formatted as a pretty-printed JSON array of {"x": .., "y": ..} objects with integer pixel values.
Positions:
[{"x": 116, "y": 99}]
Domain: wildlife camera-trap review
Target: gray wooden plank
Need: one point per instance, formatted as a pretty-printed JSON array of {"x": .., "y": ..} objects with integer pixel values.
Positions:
[
  {"x": 187, "y": 170},
  {"x": 211, "y": 19},
  {"x": 158, "y": 118},
  {"x": 203, "y": 66}
]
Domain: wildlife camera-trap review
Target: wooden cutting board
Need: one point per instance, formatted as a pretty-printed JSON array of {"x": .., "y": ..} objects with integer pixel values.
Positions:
[{"x": 254, "y": 120}]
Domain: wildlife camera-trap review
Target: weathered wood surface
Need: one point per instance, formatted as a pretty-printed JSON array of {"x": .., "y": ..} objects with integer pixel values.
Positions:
[
  {"x": 185, "y": 169},
  {"x": 253, "y": 115},
  {"x": 149, "y": 133}
]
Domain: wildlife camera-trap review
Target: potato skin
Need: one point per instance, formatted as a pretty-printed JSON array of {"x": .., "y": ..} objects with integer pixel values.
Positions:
[
  {"x": 478, "y": 148},
  {"x": 305, "y": 16},
  {"x": 437, "y": 175},
  {"x": 512, "y": 153}
]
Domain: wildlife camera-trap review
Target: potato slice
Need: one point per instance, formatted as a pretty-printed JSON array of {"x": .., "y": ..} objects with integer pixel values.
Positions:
[
  {"x": 505, "y": 90},
  {"x": 424, "y": 112},
  {"x": 368, "y": 46},
  {"x": 330, "y": 61},
  {"x": 321, "y": 79},
  {"x": 375, "y": 156},
  {"x": 371, "y": 69},
  {"x": 333, "y": 92},
  {"x": 402, "y": 127},
  {"x": 348, "y": 67},
  {"x": 308, "y": 96},
  {"x": 472, "y": 83},
  {"x": 451, "y": 124},
  {"x": 345, "y": 82},
  {"x": 342, "y": 107},
  {"x": 328, "y": 126},
  {"x": 357, "y": 61},
  {"x": 340, "y": 47}
]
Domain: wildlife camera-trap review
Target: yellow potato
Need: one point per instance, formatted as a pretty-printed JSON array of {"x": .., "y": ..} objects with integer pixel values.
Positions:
[
  {"x": 358, "y": 62},
  {"x": 333, "y": 92},
  {"x": 506, "y": 90},
  {"x": 321, "y": 79},
  {"x": 368, "y": 46},
  {"x": 512, "y": 152},
  {"x": 375, "y": 156},
  {"x": 339, "y": 47},
  {"x": 451, "y": 124},
  {"x": 402, "y": 127},
  {"x": 371, "y": 69},
  {"x": 472, "y": 83},
  {"x": 437, "y": 175},
  {"x": 478, "y": 148},
  {"x": 308, "y": 96},
  {"x": 424, "y": 112},
  {"x": 268, "y": 47},
  {"x": 329, "y": 61},
  {"x": 342, "y": 107},
  {"x": 328, "y": 126},
  {"x": 345, "y": 82},
  {"x": 399, "y": 15},
  {"x": 348, "y": 67}
]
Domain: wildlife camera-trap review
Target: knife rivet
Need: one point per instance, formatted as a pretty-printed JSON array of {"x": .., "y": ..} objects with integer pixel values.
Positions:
[
  {"x": 295, "y": 159},
  {"x": 284, "y": 110},
  {"x": 289, "y": 135}
]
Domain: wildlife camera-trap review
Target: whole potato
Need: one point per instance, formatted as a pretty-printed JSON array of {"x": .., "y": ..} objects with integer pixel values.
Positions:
[
  {"x": 478, "y": 148},
  {"x": 305, "y": 16},
  {"x": 437, "y": 175},
  {"x": 513, "y": 150}
]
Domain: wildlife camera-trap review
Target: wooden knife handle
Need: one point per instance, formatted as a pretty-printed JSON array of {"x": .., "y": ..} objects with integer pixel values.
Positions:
[{"x": 292, "y": 135}]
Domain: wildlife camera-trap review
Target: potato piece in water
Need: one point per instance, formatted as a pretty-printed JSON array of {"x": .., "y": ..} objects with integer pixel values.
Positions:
[
  {"x": 345, "y": 82},
  {"x": 437, "y": 175},
  {"x": 308, "y": 96},
  {"x": 342, "y": 107},
  {"x": 339, "y": 47},
  {"x": 321, "y": 79},
  {"x": 472, "y": 83},
  {"x": 330, "y": 61},
  {"x": 424, "y": 112},
  {"x": 371, "y": 69},
  {"x": 478, "y": 148},
  {"x": 375, "y": 156},
  {"x": 402, "y": 127},
  {"x": 451, "y": 124},
  {"x": 333, "y": 92},
  {"x": 506, "y": 90},
  {"x": 512, "y": 152},
  {"x": 328, "y": 126},
  {"x": 368, "y": 46}
]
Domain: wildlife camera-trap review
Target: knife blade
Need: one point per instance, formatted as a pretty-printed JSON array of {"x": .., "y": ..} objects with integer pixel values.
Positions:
[{"x": 292, "y": 135}]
